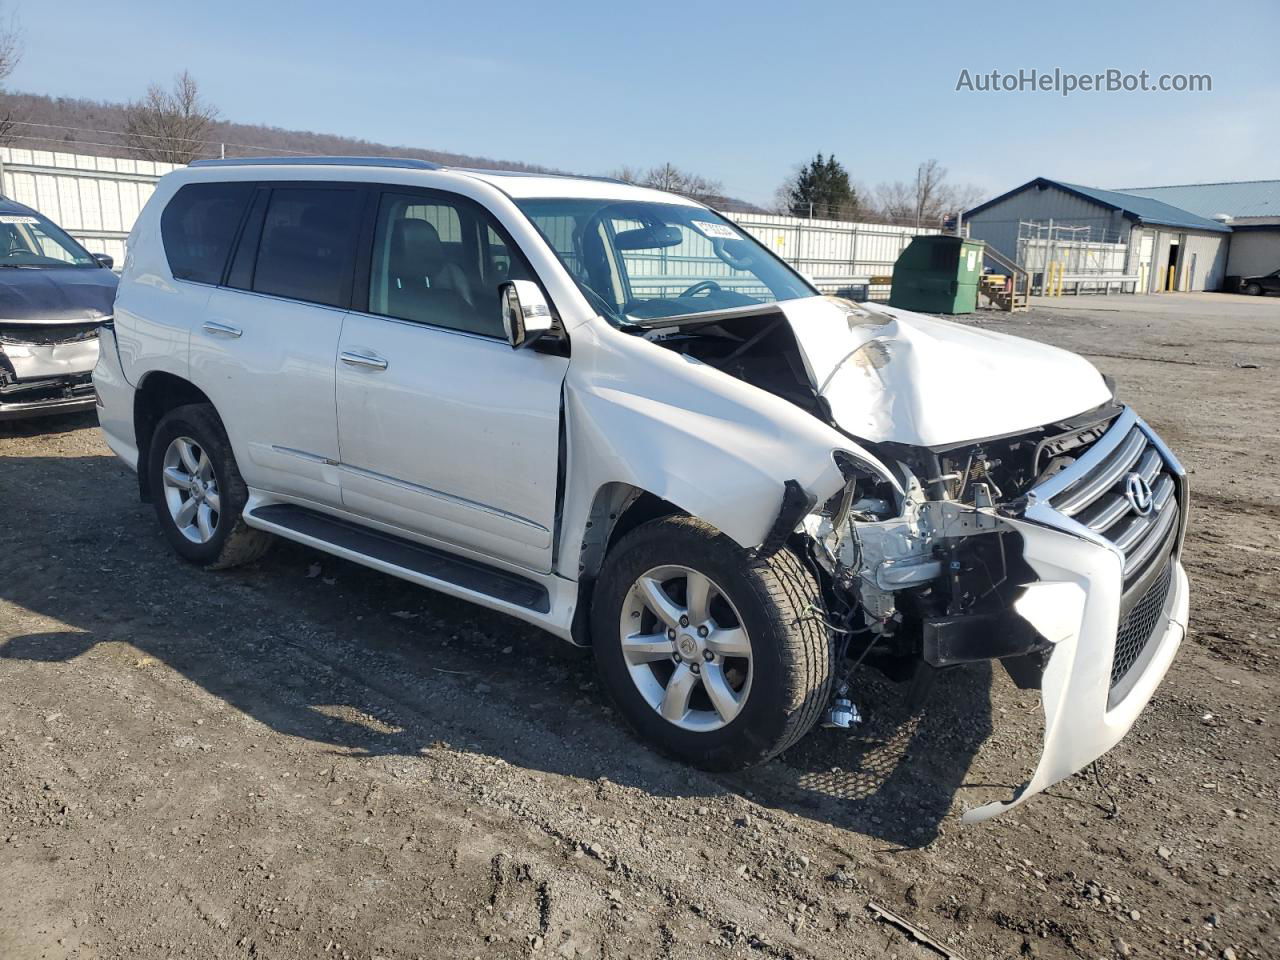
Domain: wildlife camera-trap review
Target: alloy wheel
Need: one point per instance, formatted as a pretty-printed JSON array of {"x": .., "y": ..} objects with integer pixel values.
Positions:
[
  {"x": 686, "y": 648},
  {"x": 191, "y": 490}
]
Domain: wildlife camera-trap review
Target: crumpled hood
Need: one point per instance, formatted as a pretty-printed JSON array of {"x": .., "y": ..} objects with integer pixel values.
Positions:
[
  {"x": 56, "y": 294},
  {"x": 891, "y": 375}
]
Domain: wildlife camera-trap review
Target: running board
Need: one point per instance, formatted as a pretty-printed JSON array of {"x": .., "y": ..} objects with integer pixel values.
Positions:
[{"x": 382, "y": 550}]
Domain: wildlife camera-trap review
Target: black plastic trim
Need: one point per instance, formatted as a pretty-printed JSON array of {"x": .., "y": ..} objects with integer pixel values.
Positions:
[{"x": 408, "y": 555}]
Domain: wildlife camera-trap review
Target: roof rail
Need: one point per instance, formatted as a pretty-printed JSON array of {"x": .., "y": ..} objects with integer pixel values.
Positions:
[
  {"x": 500, "y": 172},
  {"x": 406, "y": 162}
]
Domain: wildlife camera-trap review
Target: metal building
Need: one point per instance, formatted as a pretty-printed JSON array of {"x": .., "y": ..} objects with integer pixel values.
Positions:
[
  {"x": 1088, "y": 238},
  {"x": 1250, "y": 207}
]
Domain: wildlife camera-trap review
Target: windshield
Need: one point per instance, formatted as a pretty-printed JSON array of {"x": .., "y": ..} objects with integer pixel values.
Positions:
[
  {"x": 639, "y": 261},
  {"x": 27, "y": 240}
]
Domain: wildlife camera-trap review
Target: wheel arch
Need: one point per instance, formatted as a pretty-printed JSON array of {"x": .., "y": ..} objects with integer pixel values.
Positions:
[
  {"x": 616, "y": 509},
  {"x": 158, "y": 392}
]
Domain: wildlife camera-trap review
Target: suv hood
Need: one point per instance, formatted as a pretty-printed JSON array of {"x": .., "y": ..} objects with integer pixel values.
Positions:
[
  {"x": 56, "y": 294},
  {"x": 893, "y": 376}
]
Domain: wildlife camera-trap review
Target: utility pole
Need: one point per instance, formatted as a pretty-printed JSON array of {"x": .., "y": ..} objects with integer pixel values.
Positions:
[{"x": 919, "y": 199}]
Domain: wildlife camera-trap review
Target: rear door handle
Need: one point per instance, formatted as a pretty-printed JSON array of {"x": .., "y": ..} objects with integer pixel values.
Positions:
[
  {"x": 362, "y": 360},
  {"x": 214, "y": 328}
]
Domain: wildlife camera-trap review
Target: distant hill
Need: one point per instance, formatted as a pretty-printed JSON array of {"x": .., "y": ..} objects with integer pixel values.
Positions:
[{"x": 93, "y": 127}]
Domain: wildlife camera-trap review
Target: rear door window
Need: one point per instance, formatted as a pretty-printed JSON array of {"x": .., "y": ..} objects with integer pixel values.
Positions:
[
  {"x": 198, "y": 227},
  {"x": 308, "y": 243}
]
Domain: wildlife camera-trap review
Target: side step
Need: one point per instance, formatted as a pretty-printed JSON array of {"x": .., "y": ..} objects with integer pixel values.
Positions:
[{"x": 390, "y": 550}]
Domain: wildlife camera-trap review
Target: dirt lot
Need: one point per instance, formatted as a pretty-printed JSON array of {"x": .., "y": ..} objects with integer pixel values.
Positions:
[{"x": 308, "y": 759}]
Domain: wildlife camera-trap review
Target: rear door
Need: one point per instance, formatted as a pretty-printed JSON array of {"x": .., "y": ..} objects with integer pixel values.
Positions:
[
  {"x": 445, "y": 430},
  {"x": 265, "y": 350}
]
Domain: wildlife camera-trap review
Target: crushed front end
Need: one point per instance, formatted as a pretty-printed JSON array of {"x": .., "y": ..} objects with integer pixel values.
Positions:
[
  {"x": 1056, "y": 552},
  {"x": 45, "y": 367}
]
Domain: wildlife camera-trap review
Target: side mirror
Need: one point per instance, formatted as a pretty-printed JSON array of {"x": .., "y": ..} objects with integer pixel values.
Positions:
[
  {"x": 525, "y": 314},
  {"x": 104, "y": 260}
]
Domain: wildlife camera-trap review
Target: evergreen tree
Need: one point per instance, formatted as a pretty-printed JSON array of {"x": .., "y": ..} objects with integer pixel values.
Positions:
[{"x": 822, "y": 189}]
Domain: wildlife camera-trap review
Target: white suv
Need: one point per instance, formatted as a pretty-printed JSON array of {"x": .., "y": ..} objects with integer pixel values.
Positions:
[{"x": 610, "y": 412}]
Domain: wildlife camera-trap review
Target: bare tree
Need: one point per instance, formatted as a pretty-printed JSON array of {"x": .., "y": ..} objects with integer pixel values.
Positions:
[
  {"x": 927, "y": 200},
  {"x": 169, "y": 126},
  {"x": 10, "y": 55},
  {"x": 896, "y": 201},
  {"x": 674, "y": 180}
]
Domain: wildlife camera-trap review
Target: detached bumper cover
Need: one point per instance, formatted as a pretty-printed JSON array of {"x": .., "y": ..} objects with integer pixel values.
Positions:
[{"x": 1080, "y": 605}]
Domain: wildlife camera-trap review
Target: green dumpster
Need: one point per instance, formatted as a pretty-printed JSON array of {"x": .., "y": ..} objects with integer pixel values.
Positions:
[{"x": 938, "y": 274}]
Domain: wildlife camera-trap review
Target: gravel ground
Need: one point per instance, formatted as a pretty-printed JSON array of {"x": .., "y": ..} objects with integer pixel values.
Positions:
[{"x": 304, "y": 758}]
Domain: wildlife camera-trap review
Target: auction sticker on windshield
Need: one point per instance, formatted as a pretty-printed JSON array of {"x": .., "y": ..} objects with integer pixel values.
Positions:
[
  {"x": 10, "y": 218},
  {"x": 717, "y": 231}
]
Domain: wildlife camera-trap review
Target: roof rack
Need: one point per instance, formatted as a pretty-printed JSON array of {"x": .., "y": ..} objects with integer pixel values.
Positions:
[{"x": 406, "y": 162}]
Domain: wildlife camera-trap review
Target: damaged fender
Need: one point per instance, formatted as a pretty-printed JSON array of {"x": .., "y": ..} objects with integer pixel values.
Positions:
[{"x": 718, "y": 448}]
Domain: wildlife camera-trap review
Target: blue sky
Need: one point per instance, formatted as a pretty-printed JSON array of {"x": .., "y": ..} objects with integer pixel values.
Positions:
[{"x": 740, "y": 92}]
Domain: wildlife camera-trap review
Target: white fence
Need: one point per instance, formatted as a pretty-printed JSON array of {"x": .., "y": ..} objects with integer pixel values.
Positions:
[
  {"x": 96, "y": 200},
  {"x": 833, "y": 253}
]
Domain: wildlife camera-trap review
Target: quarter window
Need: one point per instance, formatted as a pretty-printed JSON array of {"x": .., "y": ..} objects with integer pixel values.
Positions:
[
  {"x": 441, "y": 261},
  {"x": 198, "y": 227},
  {"x": 307, "y": 250}
]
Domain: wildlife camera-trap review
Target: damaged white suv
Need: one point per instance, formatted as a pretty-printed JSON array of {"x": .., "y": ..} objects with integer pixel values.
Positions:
[{"x": 724, "y": 482}]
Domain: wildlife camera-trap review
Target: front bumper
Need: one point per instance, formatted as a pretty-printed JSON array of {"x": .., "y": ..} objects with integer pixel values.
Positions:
[
  {"x": 1079, "y": 604},
  {"x": 69, "y": 397},
  {"x": 42, "y": 379}
]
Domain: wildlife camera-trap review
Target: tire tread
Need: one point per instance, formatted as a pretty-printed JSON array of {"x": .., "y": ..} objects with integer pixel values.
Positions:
[
  {"x": 788, "y": 594},
  {"x": 242, "y": 544}
]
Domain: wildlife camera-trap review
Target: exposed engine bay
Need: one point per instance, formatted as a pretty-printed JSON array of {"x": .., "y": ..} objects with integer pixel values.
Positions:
[{"x": 928, "y": 575}]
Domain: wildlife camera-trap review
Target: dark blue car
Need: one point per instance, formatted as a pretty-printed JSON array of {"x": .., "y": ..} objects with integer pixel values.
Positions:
[{"x": 54, "y": 294}]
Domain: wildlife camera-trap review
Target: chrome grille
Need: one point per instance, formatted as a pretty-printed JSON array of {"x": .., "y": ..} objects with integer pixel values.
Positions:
[{"x": 1098, "y": 500}]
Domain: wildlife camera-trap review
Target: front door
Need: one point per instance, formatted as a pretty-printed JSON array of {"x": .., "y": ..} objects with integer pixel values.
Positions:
[{"x": 444, "y": 430}]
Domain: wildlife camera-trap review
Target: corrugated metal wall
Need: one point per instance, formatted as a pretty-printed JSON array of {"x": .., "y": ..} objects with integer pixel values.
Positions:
[
  {"x": 998, "y": 224},
  {"x": 96, "y": 200},
  {"x": 1254, "y": 252},
  {"x": 1203, "y": 261},
  {"x": 830, "y": 251}
]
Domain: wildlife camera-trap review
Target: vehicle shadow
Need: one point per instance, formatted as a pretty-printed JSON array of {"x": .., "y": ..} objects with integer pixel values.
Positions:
[
  {"x": 367, "y": 665},
  {"x": 46, "y": 425}
]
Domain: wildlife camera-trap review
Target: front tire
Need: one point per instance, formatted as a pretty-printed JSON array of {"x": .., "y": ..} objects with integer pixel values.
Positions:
[
  {"x": 718, "y": 659},
  {"x": 1253, "y": 289},
  {"x": 198, "y": 493}
]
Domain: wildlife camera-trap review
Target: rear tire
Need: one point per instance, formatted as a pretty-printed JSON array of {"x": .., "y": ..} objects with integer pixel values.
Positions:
[
  {"x": 198, "y": 493},
  {"x": 761, "y": 667}
]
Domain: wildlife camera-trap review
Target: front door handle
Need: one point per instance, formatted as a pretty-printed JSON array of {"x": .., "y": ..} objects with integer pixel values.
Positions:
[
  {"x": 217, "y": 329},
  {"x": 362, "y": 360}
]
